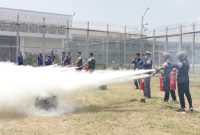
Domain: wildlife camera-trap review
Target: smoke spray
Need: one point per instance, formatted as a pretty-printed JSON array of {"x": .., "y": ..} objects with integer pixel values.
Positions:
[{"x": 21, "y": 85}]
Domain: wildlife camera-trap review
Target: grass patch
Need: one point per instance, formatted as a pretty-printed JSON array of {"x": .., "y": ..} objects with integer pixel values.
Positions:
[{"x": 114, "y": 111}]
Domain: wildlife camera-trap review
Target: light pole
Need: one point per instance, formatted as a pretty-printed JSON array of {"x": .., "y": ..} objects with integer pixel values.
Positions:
[{"x": 141, "y": 30}]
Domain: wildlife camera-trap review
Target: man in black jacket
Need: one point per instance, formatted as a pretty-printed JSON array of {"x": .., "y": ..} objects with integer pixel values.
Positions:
[
  {"x": 183, "y": 67},
  {"x": 91, "y": 63},
  {"x": 147, "y": 64},
  {"x": 138, "y": 62}
]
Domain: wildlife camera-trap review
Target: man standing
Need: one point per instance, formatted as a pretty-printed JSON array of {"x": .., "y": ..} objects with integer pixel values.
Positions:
[
  {"x": 52, "y": 57},
  {"x": 79, "y": 62},
  {"x": 167, "y": 68},
  {"x": 20, "y": 59},
  {"x": 91, "y": 63},
  {"x": 68, "y": 59},
  {"x": 183, "y": 67},
  {"x": 48, "y": 61},
  {"x": 63, "y": 59},
  {"x": 137, "y": 61},
  {"x": 148, "y": 63},
  {"x": 40, "y": 59}
]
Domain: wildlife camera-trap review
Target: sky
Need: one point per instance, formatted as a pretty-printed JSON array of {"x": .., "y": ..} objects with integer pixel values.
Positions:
[{"x": 118, "y": 12}]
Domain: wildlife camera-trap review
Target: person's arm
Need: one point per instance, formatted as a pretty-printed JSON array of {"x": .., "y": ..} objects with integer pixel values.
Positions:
[
  {"x": 86, "y": 64},
  {"x": 140, "y": 64},
  {"x": 145, "y": 63},
  {"x": 37, "y": 60},
  {"x": 186, "y": 66},
  {"x": 133, "y": 61},
  {"x": 17, "y": 59},
  {"x": 75, "y": 63},
  {"x": 70, "y": 60}
]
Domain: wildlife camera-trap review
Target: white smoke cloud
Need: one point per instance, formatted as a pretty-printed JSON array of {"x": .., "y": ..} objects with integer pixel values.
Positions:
[{"x": 20, "y": 85}]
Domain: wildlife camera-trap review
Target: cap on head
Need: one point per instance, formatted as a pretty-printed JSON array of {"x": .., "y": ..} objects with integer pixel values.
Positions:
[{"x": 148, "y": 53}]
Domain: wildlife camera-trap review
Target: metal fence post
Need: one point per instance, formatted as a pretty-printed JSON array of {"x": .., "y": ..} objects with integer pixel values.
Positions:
[
  {"x": 181, "y": 38},
  {"x": 43, "y": 40},
  {"x": 67, "y": 36},
  {"x": 154, "y": 43},
  {"x": 102, "y": 52},
  {"x": 107, "y": 46},
  {"x": 193, "y": 46},
  {"x": 125, "y": 41},
  {"x": 88, "y": 37},
  {"x": 166, "y": 40},
  {"x": 17, "y": 38}
]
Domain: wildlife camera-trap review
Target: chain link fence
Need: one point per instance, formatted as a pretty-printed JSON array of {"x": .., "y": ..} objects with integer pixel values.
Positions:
[{"x": 112, "y": 45}]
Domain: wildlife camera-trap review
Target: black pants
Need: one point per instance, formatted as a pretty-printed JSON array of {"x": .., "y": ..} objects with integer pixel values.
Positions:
[
  {"x": 183, "y": 88},
  {"x": 137, "y": 83},
  {"x": 168, "y": 91},
  {"x": 172, "y": 93},
  {"x": 147, "y": 87},
  {"x": 20, "y": 64}
]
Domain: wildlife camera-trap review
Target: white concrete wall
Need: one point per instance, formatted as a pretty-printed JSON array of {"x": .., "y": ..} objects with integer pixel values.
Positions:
[
  {"x": 38, "y": 42},
  {"x": 35, "y": 45}
]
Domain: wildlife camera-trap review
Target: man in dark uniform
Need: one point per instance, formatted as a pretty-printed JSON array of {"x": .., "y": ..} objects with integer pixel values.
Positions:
[
  {"x": 183, "y": 67},
  {"x": 63, "y": 59},
  {"x": 91, "y": 63},
  {"x": 147, "y": 64},
  {"x": 40, "y": 59},
  {"x": 48, "y": 61},
  {"x": 79, "y": 62},
  {"x": 68, "y": 59},
  {"x": 138, "y": 62},
  {"x": 20, "y": 59}
]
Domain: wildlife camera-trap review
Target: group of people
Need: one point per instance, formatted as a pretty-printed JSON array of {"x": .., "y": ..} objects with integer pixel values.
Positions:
[
  {"x": 182, "y": 69},
  {"x": 66, "y": 60},
  {"x": 146, "y": 64}
]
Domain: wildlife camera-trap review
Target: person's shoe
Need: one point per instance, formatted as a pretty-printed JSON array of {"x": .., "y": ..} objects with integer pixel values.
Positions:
[
  {"x": 175, "y": 101},
  {"x": 191, "y": 109},
  {"x": 181, "y": 110},
  {"x": 165, "y": 101},
  {"x": 142, "y": 100}
]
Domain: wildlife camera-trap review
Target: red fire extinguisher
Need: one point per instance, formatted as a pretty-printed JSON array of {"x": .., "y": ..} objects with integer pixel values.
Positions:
[
  {"x": 161, "y": 83},
  {"x": 141, "y": 84},
  {"x": 172, "y": 78}
]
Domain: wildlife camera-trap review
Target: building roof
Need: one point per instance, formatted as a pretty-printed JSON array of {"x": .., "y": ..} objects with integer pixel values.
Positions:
[{"x": 25, "y": 16}]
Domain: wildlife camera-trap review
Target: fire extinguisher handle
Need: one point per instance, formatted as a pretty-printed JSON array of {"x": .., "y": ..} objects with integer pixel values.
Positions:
[{"x": 156, "y": 71}]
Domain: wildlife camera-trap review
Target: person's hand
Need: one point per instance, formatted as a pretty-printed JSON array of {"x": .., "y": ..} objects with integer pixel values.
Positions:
[
  {"x": 179, "y": 64},
  {"x": 148, "y": 61},
  {"x": 174, "y": 69}
]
